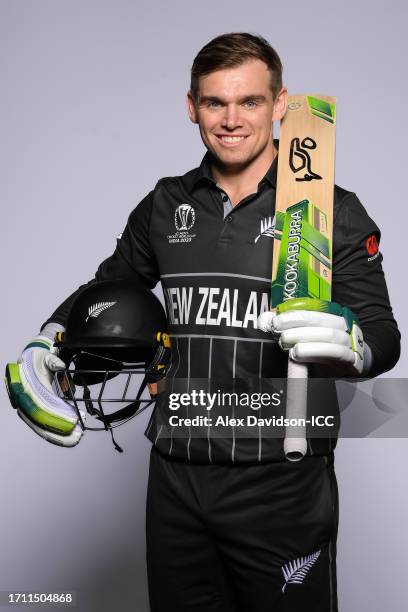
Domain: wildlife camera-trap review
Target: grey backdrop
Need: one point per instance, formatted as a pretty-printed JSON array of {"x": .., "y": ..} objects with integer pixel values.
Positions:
[{"x": 92, "y": 115}]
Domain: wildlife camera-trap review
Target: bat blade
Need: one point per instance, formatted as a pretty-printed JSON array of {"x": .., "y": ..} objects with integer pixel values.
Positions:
[{"x": 302, "y": 254}]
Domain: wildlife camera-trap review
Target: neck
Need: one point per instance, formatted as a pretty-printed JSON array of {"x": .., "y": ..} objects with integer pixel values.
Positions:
[{"x": 240, "y": 181}]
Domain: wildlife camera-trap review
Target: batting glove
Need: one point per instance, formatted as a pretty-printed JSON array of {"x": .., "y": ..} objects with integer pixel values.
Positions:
[
  {"x": 316, "y": 331},
  {"x": 29, "y": 385}
]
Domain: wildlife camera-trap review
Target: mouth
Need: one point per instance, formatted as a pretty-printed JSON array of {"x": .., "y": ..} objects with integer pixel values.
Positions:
[{"x": 231, "y": 141}]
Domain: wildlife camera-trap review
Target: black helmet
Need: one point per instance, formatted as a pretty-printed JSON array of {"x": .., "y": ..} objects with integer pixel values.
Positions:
[{"x": 115, "y": 329}]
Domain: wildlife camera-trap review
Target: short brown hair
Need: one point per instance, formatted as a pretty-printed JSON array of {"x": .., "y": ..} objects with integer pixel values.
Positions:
[{"x": 231, "y": 50}]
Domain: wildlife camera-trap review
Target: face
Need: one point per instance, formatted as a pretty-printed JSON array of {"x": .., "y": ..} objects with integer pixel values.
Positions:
[{"x": 235, "y": 111}]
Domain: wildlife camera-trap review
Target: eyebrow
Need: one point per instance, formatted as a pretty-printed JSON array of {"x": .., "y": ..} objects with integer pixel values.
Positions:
[{"x": 256, "y": 97}]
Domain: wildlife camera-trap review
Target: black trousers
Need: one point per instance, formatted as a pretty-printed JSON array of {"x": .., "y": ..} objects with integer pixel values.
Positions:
[{"x": 243, "y": 538}]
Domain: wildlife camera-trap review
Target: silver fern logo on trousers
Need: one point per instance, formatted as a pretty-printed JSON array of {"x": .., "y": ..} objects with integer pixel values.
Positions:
[
  {"x": 267, "y": 228},
  {"x": 296, "y": 571},
  {"x": 96, "y": 309},
  {"x": 184, "y": 217}
]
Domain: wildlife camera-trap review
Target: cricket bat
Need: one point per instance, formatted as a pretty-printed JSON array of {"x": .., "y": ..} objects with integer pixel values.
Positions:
[{"x": 302, "y": 253}]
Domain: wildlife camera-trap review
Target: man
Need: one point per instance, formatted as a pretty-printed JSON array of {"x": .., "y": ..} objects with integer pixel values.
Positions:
[{"x": 231, "y": 525}]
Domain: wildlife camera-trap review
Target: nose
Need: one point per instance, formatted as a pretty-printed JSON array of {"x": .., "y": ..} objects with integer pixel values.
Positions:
[{"x": 231, "y": 117}]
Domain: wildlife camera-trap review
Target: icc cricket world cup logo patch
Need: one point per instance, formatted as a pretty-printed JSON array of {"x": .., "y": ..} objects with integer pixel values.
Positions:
[
  {"x": 184, "y": 217},
  {"x": 184, "y": 220}
]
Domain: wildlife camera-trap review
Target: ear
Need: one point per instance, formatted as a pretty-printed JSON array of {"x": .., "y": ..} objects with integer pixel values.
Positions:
[
  {"x": 280, "y": 105},
  {"x": 191, "y": 107}
]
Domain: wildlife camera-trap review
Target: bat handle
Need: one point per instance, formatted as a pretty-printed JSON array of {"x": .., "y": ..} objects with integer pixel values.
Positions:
[{"x": 295, "y": 444}]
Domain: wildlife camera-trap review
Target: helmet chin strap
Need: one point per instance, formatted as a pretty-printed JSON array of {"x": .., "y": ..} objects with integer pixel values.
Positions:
[
  {"x": 128, "y": 411},
  {"x": 115, "y": 444},
  {"x": 122, "y": 415}
]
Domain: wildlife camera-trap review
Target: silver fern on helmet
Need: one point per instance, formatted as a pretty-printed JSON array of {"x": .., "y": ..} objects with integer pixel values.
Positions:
[{"x": 96, "y": 309}]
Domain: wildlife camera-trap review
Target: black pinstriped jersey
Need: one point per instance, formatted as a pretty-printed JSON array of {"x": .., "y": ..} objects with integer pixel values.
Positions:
[{"x": 215, "y": 268}]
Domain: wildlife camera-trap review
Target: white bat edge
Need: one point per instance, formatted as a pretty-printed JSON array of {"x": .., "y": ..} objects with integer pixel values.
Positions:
[{"x": 295, "y": 444}]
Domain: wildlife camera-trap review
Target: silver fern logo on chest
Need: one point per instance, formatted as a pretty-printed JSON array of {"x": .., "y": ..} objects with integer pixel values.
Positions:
[
  {"x": 296, "y": 571},
  {"x": 97, "y": 309},
  {"x": 184, "y": 217},
  {"x": 267, "y": 228}
]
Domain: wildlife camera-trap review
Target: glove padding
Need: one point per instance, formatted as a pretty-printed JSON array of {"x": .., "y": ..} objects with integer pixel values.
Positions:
[
  {"x": 316, "y": 331},
  {"x": 29, "y": 384}
]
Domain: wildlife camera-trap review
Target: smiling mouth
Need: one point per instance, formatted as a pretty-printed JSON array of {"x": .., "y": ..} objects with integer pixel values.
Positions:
[{"x": 231, "y": 140}]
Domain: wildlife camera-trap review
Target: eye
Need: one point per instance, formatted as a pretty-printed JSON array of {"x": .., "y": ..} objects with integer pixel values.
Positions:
[
  {"x": 213, "y": 104},
  {"x": 250, "y": 103}
]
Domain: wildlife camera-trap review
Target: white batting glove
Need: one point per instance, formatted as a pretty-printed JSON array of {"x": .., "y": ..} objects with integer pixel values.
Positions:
[
  {"x": 29, "y": 384},
  {"x": 316, "y": 331}
]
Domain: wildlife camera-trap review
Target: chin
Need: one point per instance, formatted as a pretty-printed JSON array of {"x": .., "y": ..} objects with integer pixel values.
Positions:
[
  {"x": 232, "y": 157},
  {"x": 237, "y": 160}
]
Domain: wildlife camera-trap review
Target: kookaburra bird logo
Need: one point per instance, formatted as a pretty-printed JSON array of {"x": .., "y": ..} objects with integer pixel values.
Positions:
[
  {"x": 96, "y": 309},
  {"x": 300, "y": 159},
  {"x": 184, "y": 217}
]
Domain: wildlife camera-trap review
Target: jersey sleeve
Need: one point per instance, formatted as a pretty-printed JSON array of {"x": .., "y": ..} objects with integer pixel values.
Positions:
[
  {"x": 132, "y": 259},
  {"x": 358, "y": 279}
]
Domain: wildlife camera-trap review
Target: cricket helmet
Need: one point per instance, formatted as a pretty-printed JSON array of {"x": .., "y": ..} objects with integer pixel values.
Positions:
[{"x": 115, "y": 330}]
